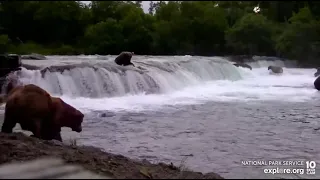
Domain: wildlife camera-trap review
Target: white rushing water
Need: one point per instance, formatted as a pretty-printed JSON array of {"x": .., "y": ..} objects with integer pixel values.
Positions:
[
  {"x": 169, "y": 81},
  {"x": 258, "y": 85}
]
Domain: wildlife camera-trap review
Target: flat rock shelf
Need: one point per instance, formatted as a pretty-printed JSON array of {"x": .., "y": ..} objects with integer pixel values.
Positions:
[{"x": 46, "y": 168}]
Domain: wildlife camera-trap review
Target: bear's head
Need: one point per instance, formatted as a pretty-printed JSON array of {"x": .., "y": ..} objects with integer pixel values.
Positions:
[
  {"x": 269, "y": 67},
  {"x": 69, "y": 116}
]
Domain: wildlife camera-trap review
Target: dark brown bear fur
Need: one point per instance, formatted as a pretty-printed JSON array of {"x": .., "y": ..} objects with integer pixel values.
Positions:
[
  {"x": 36, "y": 111},
  {"x": 124, "y": 59},
  {"x": 65, "y": 116},
  {"x": 29, "y": 106}
]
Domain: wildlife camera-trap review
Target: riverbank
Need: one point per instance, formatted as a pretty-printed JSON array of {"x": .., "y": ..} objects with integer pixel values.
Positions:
[{"x": 18, "y": 147}]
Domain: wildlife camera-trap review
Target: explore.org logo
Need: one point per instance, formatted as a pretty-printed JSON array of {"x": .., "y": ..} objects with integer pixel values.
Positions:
[{"x": 307, "y": 167}]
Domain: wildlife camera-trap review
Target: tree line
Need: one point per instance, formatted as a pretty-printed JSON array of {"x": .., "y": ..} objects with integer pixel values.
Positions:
[{"x": 289, "y": 29}]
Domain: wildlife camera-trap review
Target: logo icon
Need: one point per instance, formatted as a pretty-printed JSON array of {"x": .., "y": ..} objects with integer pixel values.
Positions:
[{"x": 311, "y": 167}]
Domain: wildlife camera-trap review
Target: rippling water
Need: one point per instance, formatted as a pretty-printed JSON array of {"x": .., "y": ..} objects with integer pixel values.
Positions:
[
  {"x": 212, "y": 125},
  {"x": 215, "y": 136}
]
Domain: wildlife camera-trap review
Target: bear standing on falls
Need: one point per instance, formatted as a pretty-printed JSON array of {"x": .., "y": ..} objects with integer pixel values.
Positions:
[
  {"x": 124, "y": 59},
  {"x": 36, "y": 111}
]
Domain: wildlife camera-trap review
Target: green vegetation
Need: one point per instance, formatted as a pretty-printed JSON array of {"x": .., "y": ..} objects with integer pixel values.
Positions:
[{"x": 288, "y": 29}]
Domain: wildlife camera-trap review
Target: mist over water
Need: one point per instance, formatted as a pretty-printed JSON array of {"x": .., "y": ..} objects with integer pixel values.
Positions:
[{"x": 201, "y": 107}]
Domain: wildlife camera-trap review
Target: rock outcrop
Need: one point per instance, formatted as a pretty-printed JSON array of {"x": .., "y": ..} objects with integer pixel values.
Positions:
[{"x": 34, "y": 56}]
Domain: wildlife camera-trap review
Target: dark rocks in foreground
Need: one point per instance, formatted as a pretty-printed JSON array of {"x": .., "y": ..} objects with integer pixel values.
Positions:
[
  {"x": 46, "y": 168},
  {"x": 18, "y": 147}
]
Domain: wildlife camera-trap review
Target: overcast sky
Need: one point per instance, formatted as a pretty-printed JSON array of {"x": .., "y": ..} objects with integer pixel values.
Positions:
[{"x": 145, "y": 5}]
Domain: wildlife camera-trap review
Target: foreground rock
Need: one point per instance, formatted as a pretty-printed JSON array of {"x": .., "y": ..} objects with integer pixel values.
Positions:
[
  {"x": 46, "y": 168},
  {"x": 34, "y": 56},
  {"x": 18, "y": 147}
]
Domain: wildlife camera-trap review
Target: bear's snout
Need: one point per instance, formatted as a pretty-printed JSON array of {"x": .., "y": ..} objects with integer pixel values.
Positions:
[
  {"x": 77, "y": 129},
  {"x": 79, "y": 120}
]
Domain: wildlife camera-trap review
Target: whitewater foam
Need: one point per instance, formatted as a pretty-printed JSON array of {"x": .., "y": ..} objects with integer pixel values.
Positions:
[
  {"x": 295, "y": 85},
  {"x": 169, "y": 81},
  {"x": 156, "y": 75}
]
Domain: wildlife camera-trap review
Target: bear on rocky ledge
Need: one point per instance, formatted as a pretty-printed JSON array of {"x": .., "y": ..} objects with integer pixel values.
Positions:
[{"x": 36, "y": 111}]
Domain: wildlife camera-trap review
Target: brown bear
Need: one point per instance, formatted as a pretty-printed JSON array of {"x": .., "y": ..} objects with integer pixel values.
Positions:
[
  {"x": 64, "y": 116},
  {"x": 36, "y": 111},
  {"x": 124, "y": 59},
  {"x": 276, "y": 69}
]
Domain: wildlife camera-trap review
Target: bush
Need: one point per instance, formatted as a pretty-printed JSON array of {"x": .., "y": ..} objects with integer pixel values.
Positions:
[{"x": 4, "y": 43}]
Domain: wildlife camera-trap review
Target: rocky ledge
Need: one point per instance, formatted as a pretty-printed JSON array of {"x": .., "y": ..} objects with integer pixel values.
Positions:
[{"x": 17, "y": 147}]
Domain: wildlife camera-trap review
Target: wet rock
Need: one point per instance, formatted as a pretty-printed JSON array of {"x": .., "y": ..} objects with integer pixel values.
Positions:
[
  {"x": 9, "y": 63},
  {"x": 34, "y": 56},
  {"x": 30, "y": 67},
  {"x": 107, "y": 114},
  {"x": 67, "y": 67},
  {"x": 316, "y": 129},
  {"x": 55, "y": 142},
  {"x": 103, "y": 115},
  {"x": 243, "y": 65}
]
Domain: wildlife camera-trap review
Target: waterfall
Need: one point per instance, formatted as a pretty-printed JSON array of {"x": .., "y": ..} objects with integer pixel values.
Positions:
[{"x": 99, "y": 76}]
